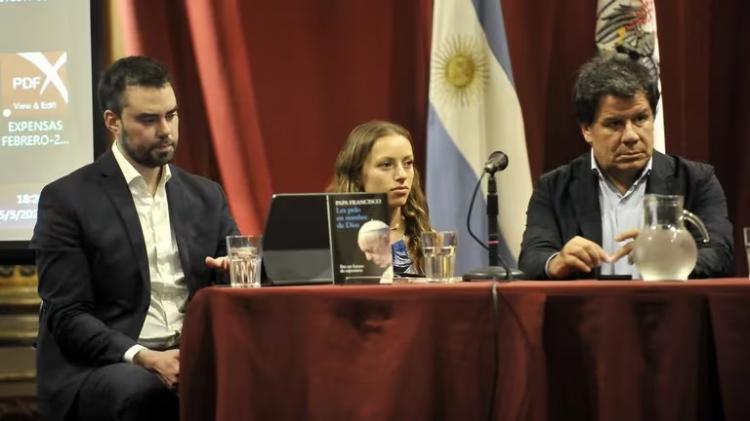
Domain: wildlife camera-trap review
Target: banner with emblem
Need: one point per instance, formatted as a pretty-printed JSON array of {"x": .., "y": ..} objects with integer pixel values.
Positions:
[
  {"x": 474, "y": 110},
  {"x": 628, "y": 27}
]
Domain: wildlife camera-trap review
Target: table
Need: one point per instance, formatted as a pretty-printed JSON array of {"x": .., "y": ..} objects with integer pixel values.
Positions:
[{"x": 573, "y": 350}]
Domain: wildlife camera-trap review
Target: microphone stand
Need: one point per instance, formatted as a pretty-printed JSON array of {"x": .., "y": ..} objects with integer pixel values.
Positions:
[
  {"x": 493, "y": 229},
  {"x": 493, "y": 271}
]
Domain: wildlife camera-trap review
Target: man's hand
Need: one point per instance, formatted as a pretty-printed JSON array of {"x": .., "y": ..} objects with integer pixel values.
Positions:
[
  {"x": 577, "y": 255},
  {"x": 220, "y": 263},
  {"x": 625, "y": 250},
  {"x": 166, "y": 365}
]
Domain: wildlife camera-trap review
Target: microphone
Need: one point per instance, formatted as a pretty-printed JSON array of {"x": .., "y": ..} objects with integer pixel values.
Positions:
[
  {"x": 497, "y": 161},
  {"x": 497, "y": 270}
]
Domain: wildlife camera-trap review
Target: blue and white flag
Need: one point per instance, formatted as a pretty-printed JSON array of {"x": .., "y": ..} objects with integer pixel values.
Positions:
[
  {"x": 474, "y": 110},
  {"x": 628, "y": 27}
]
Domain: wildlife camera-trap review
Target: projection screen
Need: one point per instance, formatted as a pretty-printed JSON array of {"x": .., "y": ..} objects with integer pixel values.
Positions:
[{"x": 45, "y": 105}]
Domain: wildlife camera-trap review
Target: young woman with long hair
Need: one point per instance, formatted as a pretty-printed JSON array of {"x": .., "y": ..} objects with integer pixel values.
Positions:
[{"x": 378, "y": 158}]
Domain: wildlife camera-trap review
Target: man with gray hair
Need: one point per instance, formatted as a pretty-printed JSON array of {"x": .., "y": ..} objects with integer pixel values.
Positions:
[{"x": 583, "y": 214}]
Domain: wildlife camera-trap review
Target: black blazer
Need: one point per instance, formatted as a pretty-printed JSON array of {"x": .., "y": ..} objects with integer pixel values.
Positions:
[
  {"x": 565, "y": 203},
  {"x": 93, "y": 270}
]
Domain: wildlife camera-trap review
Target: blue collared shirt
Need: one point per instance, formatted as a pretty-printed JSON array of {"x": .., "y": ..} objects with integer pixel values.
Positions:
[{"x": 620, "y": 212}]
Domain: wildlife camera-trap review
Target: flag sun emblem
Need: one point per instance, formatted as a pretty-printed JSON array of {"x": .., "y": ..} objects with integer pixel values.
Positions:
[{"x": 459, "y": 70}]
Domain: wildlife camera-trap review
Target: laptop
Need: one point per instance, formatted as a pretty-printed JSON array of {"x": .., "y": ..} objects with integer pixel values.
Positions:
[{"x": 296, "y": 244}]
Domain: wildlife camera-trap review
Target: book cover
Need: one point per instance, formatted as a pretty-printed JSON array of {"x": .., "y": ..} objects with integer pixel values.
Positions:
[{"x": 360, "y": 238}]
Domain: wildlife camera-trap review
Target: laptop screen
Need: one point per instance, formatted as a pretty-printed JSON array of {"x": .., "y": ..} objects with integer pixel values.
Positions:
[{"x": 296, "y": 246}]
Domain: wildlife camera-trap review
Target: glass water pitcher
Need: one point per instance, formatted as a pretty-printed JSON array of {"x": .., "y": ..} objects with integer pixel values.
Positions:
[{"x": 664, "y": 249}]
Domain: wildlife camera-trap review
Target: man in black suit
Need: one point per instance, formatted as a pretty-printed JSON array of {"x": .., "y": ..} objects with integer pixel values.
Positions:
[
  {"x": 583, "y": 214},
  {"x": 121, "y": 246}
]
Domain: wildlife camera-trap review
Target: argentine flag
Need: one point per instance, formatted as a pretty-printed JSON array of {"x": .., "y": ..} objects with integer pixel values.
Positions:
[{"x": 474, "y": 110}]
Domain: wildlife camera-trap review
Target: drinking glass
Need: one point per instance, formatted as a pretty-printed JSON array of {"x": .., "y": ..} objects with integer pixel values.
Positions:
[
  {"x": 439, "y": 253},
  {"x": 746, "y": 231},
  {"x": 244, "y": 254}
]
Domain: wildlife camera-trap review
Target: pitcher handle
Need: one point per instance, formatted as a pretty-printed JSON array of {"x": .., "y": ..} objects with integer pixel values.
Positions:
[{"x": 693, "y": 219}]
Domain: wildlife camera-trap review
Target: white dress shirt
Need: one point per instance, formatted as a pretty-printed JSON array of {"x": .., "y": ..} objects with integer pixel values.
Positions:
[{"x": 169, "y": 292}]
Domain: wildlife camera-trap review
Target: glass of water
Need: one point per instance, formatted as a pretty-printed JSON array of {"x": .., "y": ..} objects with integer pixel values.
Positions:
[
  {"x": 244, "y": 254},
  {"x": 746, "y": 231},
  {"x": 439, "y": 253}
]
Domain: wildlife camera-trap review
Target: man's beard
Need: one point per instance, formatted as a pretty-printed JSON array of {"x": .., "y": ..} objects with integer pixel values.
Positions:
[{"x": 151, "y": 157}]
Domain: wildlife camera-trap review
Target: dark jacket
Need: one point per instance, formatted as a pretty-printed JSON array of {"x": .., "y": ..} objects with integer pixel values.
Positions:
[
  {"x": 565, "y": 203},
  {"x": 93, "y": 270}
]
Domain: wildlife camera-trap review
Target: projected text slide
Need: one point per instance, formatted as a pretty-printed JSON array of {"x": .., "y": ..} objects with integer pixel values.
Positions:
[{"x": 34, "y": 114}]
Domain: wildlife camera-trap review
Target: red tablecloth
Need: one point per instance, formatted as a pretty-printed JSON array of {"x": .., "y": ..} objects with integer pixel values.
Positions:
[{"x": 580, "y": 350}]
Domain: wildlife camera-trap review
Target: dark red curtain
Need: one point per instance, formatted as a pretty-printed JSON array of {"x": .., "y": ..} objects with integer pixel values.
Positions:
[
  {"x": 269, "y": 90},
  {"x": 275, "y": 87}
]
